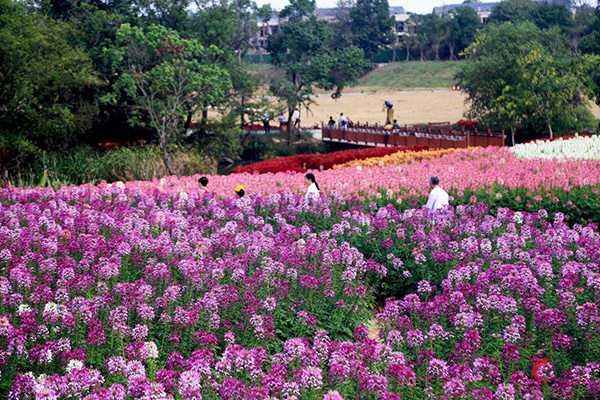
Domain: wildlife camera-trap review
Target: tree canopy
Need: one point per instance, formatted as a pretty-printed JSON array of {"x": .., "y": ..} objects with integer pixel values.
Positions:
[
  {"x": 520, "y": 76},
  {"x": 47, "y": 84},
  {"x": 371, "y": 26}
]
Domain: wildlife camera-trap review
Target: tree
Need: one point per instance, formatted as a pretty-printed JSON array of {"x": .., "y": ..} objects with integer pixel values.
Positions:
[
  {"x": 463, "y": 27},
  {"x": 434, "y": 30},
  {"x": 167, "y": 78},
  {"x": 47, "y": 85},
  {"x": 372, "y": 26},
  {"x": 519, "y": 75},
  {"x": 341, "y": 26},
  {"x": 543, "y": 14},
  {"x": 300, "y": 49},
  {"x": 554, "y": 85}
]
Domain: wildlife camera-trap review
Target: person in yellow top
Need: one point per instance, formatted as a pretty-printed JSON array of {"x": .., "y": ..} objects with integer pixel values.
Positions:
[
  {"x": 239, "y": 190},
  {"x": 390, "y": 112}
]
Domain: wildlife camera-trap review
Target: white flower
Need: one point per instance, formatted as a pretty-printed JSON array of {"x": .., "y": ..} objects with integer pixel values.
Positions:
[
  {"x": 74, "y": 364},
  {"x": 518, "y": 217},
  {"x": 151, "y": 349},
  {"x": 580, "y": 147},
  {"x": 120, "y": 185},
  {"x": 183, "y": 195},
  {"x": 23, "y": 308}
]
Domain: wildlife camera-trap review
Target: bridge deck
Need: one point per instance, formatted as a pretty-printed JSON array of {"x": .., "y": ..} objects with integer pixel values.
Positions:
[{"x": 432, "y": 136}]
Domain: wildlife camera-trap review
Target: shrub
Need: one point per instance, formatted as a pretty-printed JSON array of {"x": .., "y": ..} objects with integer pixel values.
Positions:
[{"x": 123, "y": 164}]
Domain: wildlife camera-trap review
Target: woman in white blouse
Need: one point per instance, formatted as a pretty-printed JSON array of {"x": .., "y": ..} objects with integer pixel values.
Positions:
[{"x": 313, "y": 190}]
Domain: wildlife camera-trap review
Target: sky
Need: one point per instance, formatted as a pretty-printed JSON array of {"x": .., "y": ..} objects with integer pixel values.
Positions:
[{"x": 416, "y": 6}]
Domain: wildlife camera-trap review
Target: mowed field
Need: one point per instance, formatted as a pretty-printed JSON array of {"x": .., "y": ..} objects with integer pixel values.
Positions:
[{"x": 421, "y": 93}]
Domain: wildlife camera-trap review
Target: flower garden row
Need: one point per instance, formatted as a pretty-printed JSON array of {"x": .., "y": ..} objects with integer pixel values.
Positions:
[
  {"x": 114, "y": 293},
  {"x": 303, "y": 162}
]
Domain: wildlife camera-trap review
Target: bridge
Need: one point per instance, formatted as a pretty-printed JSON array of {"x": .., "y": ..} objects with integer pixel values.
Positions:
[{"x": 439, "y": 136}]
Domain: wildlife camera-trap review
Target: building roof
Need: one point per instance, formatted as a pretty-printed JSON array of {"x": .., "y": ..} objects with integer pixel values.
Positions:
[
  {"x": 478, "y": 7},
  {"x": 489, "y": 7}
]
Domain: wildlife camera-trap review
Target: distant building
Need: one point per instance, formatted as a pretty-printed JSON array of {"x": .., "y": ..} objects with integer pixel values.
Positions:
[
  {"x": 272, "y": 26},
  {"x": 485, "y": 9}
]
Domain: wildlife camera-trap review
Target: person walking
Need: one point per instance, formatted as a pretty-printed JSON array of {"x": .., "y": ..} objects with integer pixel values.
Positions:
[
  {"x": 266, "y": 119},
  {"x": 297, "y": 118},
  {"x": 438, "y": 197},
  {"x": 313, "y": 190}
]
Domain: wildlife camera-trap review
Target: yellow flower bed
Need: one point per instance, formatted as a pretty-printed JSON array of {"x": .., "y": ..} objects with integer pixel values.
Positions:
[{"x": 400, "y": 157}]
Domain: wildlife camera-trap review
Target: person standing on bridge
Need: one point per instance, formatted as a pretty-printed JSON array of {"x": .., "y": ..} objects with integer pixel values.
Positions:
[
  {"x": 343, "y": 121},
  {"x": 266, "y": 119},
  {"x": 389, "y": 113}
]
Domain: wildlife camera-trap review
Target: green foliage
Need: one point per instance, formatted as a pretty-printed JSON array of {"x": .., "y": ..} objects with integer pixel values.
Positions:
[
  {"x": 81, "y": 166},
  {"x": 47, "y": 85},
  {"x": 300, "y": 48},
  {"x": 371, "y": 26},
  {"x": 167, "y": 78},
  {"x": 433, "y": 30},
  {"x": 543, "y": 14},
  {"x": 520, "y": 76},
  {"x": 462, "y": 29}
]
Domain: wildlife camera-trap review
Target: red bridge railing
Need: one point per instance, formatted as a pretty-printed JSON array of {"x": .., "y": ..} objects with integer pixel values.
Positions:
[{"x": 434, "y": 135}]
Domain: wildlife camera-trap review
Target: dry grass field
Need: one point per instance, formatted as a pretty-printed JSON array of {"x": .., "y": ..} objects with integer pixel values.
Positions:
[{"x": 410, "y": 107}]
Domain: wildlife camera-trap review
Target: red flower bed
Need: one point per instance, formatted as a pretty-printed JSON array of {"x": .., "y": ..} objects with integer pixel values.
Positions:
[{"x": 303, "y": 162}]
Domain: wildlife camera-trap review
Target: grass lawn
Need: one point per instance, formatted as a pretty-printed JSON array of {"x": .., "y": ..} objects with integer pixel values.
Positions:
[
  {"x": 394, "y": 76},
  {"x": 412, "y": 75}
]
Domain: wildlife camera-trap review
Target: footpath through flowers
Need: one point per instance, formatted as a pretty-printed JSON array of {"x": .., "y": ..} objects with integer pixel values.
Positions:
[{"x": 155, "y": 290}]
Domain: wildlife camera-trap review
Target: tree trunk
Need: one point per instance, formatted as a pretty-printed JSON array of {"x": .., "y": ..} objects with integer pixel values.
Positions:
[
  {"x": 204, "y": 120},
  {"x": 289, "y": 127},
  {"x": 407, "y": 52},
  {"x": 550, "y": 129},
  {"x": 512, "y": 135},
  {"x": 437, "y": 53},
  {"x": 162, "y": 137},
  {"x": 422, "y": 54}
]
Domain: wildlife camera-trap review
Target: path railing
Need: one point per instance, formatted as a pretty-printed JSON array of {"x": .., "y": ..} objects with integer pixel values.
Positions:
[{"x": 441, "y": 136}]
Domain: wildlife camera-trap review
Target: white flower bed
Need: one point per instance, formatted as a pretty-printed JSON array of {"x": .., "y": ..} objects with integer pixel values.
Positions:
[{"x": 585, "y": 148}]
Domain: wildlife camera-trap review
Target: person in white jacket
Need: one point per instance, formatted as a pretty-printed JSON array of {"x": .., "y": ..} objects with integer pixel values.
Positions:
[
  {"x": 313, "y": 190},
  {"x": 438, "y": 198}
]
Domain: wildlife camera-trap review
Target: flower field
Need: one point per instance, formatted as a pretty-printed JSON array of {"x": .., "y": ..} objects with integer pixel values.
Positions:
[
  {"x": 580, "y": 147},
  {"x": 303, "y": 162},
  {"x": 153, "y": 290}
]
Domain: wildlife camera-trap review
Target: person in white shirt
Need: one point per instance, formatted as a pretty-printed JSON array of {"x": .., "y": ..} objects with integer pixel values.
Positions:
[
  {"x": 438, "y": 198},
  {"x": 297, "y": 118},
  {"x": 343, "y": 121},
  {"x": 313, "y": 190}
]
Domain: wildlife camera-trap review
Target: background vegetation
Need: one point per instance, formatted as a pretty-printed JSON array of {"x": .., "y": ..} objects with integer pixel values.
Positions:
[{"x": 74, "y": 74}]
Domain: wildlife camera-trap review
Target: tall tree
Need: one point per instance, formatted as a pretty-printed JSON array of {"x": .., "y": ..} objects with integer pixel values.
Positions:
[
  {"x": 300, "y": 49},
  {"x": 341, "y": 26},
  {"x": 543, "y": 14},
  {"x": 372, "y": 26},
  {"x": 463, "y": 26},
  {"x": 518, "y": 76},
  {"x": 167, "y": 78},
  {"x": 47, "y": 85},
  {"x": 434, "y": 29}
]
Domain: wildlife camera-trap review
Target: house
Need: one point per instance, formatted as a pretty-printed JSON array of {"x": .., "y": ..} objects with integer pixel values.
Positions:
[
  {"x": 485, "y": 9},
  {"x": 271, "y": 27}
]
